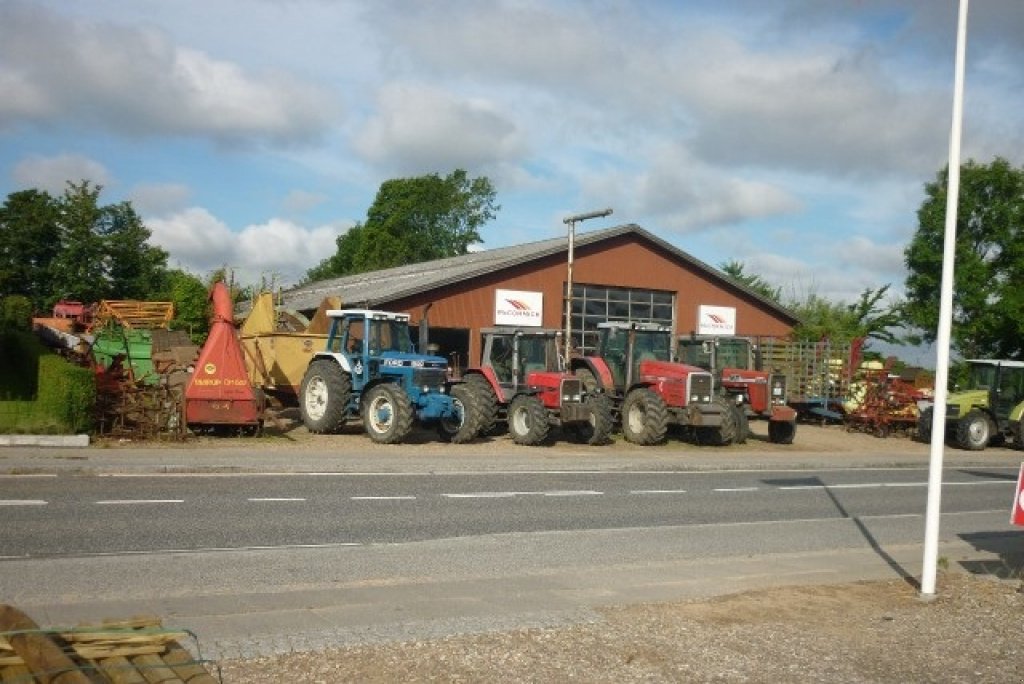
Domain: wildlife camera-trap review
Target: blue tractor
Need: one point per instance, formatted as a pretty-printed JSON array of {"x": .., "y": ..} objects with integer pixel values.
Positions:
[{"x": 371, "y": 370}]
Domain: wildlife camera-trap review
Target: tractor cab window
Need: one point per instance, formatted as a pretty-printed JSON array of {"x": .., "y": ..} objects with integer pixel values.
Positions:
[
  {"x": 502, "y": 351},
  {"x": 533, "y": 355},
  {"x": 653, "y": 346},
  {"x": 733, "y": 354},
  {"x": 982, "y": 376},
  {"x": 389, "y": 336},
  {"x": 354, "y": 336}
]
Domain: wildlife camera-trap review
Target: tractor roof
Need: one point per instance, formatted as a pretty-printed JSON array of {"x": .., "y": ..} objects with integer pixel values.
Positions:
[
  {"x": 997, "y": 362},
  {"x": 367, "y": 313}
]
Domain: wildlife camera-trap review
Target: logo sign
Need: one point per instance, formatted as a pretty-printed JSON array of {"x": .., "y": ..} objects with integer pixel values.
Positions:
[
  {"x": 716, "y": 320},
  {"x": 516, "y": 307},
  {"x": 1017, "y": 517}
]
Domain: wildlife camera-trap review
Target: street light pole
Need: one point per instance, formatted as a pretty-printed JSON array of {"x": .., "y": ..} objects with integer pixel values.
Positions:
[
  {"x": 571, "y": 221},
  {"x": 933, "y": 508}
]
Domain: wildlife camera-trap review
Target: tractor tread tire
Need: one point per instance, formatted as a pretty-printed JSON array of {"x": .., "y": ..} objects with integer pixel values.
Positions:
[
  {"x": 467, "y": 428},
  {"x": 488, "y": 402},
  {"x": 781, "y": 431},
  {"x": 726, "y": 433},
  {"x": 528, "y": 420},
  {"x": 598, "y": 428},
  {"x": 397, "y": 427},
  {"x": 649, "y": 414},
  {"x": 324, "y": 395},
  {"x": 974, "y": 431}
]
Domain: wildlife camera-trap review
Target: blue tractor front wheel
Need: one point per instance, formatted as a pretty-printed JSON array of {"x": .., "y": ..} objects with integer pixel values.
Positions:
[{"x": 387, "y": 413}]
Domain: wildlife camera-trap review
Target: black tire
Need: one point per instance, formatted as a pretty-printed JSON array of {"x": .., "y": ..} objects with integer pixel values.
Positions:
[
  {"x": 1018, "y": 435},
  {"x": 644, "y": 417},
  {"x": 465, "y": 425},
  {"x": 323, "y": 396},
  {"x": 487, "y": 402},
  {"x": 974, "y": 431},
  {"x": 726, "y": 433},
  {"x": 924, "y": 425},
  {"x": 528, "y": 420},
  {"x": 781, "y": 431},
  {"x": 387, "y": 413},
  {"x": 598, "y": 428},
  {"x": 742, "y": 425}
]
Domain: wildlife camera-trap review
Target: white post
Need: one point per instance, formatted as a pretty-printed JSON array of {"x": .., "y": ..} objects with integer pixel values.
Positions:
[
  {"x": 571, "y": 222},
  {"x": 933, "y": 511}
]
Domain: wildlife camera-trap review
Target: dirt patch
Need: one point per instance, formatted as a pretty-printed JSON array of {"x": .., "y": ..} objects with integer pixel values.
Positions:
[{"x": 862, "y": 632}]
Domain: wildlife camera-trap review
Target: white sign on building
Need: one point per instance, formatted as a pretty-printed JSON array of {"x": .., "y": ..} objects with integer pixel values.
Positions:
[
  {"x": 517, "y": 307},
  {"x": 716, "y": 320}
]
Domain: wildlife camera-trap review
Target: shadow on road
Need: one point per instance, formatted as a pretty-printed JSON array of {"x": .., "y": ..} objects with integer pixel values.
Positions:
[{"x": 868, "y": 537}]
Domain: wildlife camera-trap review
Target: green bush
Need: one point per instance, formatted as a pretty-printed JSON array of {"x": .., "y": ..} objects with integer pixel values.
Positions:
[
  {"x": 66, "y": 393},
  {"x": 19, "y": 364}
]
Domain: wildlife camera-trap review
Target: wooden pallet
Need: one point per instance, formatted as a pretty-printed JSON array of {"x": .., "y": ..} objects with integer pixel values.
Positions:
[{"x": 135, "y": 651}]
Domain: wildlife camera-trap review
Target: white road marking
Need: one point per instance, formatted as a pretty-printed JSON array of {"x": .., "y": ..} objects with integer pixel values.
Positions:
[
  {"x": 382, "y": 498},
  {"x": 509, "y": 495},
  {"x": 22, "y": 502},
  {"x": 128, "y": 502}
]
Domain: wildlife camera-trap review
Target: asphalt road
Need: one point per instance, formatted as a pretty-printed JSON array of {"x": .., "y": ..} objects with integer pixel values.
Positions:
[
  {"x": 308, "y": 550},
  {"x": 201, "y": 512}
]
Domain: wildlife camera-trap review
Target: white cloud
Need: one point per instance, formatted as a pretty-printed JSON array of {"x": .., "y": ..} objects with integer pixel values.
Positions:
[
  {"x": 159, "y": 198},
  {"x": 278, "y": 249},
  {"x": 52, "y": 174},
  {"x": 418, "y": 129},
  {"x": 299, "y": 201},
  {"x": 137, "y": 81}
]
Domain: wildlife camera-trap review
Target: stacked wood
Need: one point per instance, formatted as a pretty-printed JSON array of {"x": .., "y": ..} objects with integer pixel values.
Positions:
[{"x": 135, "y": 651}]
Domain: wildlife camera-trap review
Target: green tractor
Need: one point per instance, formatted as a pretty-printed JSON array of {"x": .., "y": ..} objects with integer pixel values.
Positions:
[{"x": 987, "y": 410}]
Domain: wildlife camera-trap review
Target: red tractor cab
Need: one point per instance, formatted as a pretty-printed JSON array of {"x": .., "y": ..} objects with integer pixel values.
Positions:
[
  {"x": 634, "y": 367},
  {"x": 737, "y": 369},
  {"x": 522, "y": 379}
]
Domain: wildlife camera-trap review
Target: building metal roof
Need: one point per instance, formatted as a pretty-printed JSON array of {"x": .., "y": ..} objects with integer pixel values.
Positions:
[{"x": 375, "y": 288}]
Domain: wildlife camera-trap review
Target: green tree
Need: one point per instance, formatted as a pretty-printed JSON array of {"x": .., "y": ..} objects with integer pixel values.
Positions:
[
  {"x": 29, "y": 242},
  {"x": 869, "y": 318},
  {"x": 413, "y": 220},
  {"x": 191, "y": 303},
  {"x": 988, "y": 301},
  {"x": 104, "y": 251},
  {"x": 736, "y": 270}
]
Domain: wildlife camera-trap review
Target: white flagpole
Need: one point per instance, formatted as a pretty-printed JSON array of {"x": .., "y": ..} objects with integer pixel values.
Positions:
[{"x": 933, "y": 511}]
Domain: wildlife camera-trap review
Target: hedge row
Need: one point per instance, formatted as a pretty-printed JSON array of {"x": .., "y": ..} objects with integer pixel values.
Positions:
[{"x": 64, "y": 393}]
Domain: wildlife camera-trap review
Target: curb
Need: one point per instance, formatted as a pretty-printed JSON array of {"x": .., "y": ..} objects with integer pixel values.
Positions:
[{"x": 45, "y": 440}]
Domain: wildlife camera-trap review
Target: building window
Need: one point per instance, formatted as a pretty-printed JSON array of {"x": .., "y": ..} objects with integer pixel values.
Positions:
[{"x": 593, "y": 304}]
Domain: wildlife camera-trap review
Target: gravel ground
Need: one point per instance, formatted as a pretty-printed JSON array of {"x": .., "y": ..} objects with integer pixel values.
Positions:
[{"x": 855, "y": 633}]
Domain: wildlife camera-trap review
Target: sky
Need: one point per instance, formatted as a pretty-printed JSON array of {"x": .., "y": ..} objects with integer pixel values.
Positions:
[{"x": 792, "y": 136}]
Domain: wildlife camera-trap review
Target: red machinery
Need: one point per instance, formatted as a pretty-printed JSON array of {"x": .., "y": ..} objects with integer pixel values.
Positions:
[{"x": 219, "y": 393}]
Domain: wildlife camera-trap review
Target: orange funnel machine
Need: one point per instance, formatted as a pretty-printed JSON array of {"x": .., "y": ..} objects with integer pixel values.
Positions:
[{"x": 219, "y": 394}]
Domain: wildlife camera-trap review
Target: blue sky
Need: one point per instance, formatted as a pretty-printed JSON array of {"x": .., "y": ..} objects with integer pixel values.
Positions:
[{"x": 794, "y": 136}]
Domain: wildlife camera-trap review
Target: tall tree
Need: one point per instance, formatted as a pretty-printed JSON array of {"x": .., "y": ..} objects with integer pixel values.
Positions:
[
  {"x": 988, "y": 301},
  {"x": 104, "y": 253},
  {"x": 737, "y": 271},
  {"x": 29, "y": 242},
  {"x": 191, "y": 302},
  {"x": 413, "y": 220}
]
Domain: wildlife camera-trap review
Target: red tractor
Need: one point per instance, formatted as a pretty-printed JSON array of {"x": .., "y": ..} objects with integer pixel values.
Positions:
[
  {"x": 523, "y": 377},
  {"x": 759, "y": 393},
  {"x": 634, "y": 367}
]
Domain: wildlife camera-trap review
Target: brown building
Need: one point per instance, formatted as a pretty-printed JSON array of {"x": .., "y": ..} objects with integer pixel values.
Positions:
[{"x": 621, "y": 273}]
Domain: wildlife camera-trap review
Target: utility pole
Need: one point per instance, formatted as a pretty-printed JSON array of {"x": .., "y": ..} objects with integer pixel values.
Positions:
[{"x": 571, "y": 221}]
